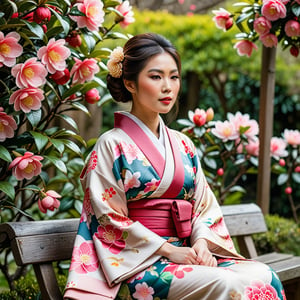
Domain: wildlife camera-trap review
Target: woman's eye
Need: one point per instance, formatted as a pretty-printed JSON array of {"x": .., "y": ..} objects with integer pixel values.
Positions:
[
  {"x": 175, "y": 77},
  {"x": 155, "y": 77}
]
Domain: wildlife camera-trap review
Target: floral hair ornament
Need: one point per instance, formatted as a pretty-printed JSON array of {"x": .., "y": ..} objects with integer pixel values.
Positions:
[{"x": 114, "y": 63}]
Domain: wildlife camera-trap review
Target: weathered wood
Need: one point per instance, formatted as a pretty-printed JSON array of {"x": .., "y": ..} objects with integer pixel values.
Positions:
[{"x": 266, "y": 112}]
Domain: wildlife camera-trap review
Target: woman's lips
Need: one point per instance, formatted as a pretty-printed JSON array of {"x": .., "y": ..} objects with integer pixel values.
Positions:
[{"x": 166, "y": 100}]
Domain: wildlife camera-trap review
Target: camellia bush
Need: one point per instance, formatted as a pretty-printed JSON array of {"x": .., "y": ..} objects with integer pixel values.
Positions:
[
  {"x": 267, "y": 21},
  {"x": 229, "y": 152},
  {"x": 52, "y": 62}
]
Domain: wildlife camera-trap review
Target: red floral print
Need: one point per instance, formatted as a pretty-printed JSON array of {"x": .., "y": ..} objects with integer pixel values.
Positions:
[
  {"x": 108, "y": 194},
  {"x": 92, "y": 162},
  {"x": 260, "y": 290},
  {"x": 111, "y": 238},
  {"x": 177, "y": 270},
  {"x": 187, "y": 149}
]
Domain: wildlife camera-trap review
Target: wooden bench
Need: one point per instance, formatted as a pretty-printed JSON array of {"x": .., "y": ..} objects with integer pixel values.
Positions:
[{"x": 42, "y": 242}]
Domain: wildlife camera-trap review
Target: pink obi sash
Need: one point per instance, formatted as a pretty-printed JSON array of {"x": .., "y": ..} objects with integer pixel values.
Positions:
[{"x": 166, "y": 217}]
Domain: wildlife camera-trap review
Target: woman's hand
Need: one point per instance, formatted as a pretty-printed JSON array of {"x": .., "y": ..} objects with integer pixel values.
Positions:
[
  {"x": 204, "y": 256},
  {"x": 178, "y": 255}
]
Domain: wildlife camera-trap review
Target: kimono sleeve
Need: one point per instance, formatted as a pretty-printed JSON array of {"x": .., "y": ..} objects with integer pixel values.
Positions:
[
  {"x": 208, "y": 221},
  {"x": 123, "y": 247}
]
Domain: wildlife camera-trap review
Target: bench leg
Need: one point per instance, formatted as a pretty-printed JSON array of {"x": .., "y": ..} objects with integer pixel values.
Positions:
[
  {"x": 292, "y": 289},
  {"x": 47, "y": 281}
]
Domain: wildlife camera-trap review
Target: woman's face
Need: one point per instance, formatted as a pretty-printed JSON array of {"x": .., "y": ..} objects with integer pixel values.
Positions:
[{"x": 157, "y": 87}]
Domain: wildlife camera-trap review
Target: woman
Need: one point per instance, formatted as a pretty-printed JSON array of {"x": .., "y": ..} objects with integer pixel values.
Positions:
[{"x": 150, "y": 226}]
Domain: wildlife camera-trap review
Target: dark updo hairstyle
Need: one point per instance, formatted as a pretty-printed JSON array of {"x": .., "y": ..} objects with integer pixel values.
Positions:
[{"x": 137, "y": 52}]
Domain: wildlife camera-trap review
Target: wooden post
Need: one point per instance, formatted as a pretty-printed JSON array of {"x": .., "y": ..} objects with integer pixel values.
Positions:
[{"x": 266, "y": 112}]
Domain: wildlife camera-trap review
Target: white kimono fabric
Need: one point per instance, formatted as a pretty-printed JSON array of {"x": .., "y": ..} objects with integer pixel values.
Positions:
[{"x": 114, "y": 256}]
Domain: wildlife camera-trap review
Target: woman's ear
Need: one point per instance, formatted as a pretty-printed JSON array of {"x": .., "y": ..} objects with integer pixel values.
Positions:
[{"x": 130, "y": 86}]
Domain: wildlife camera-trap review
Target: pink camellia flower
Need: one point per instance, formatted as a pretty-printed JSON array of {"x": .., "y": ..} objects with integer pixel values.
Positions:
[
  {"x": 54, "y": 55},
  {"x": 245, "y": 47},
  {"x": 93, "y": 14},
  {"x": 278, "y": 148},
  {"x": 225, "y": 131},
  {"x": 262, "y": 25},
  {"x": 125, "y": 9},
  {"x": 92, "y": 96},
  {"x": 7, "y": 125},
  {"x": 292, "y": 137},
  {"x": 111, "y": 238},
  {"x": 27, "y": 99},
  {"x": 84, "y": 70},
  {"x": 242, "y": 121},
  {"x": 84, "y": 259},
  {"x": 269, "y": 40},
  {"x": 198, "y": 117},
  {"x": 292, "y": 28},
  {"x": 9, "y": 48},
  {"x": 222, "y": 19},
  {"x": 41, "y": 14},
  {"x": 61, "y": 77},
  {"x": 252, "y": 147},
  {"x": 26, "y": 166},
  {"x": 29, "y": 74},
  {"x": 273, "y": 9},
  {"x": 49, "y": 201}
]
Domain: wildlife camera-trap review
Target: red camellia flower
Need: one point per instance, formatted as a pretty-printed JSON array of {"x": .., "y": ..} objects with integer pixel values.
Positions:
[
  {"x": 61, "y": 77},
  {"x": 92, "y": 96},
  {"x": 41, "y": 14}
]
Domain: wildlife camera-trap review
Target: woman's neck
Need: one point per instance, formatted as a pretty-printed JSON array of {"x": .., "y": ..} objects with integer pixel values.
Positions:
[{"x": 152, "y": 122}]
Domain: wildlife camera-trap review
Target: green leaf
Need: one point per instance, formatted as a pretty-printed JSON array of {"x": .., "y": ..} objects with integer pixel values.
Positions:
[
  {"x": 296, "y": 10},
  {"x": 89, "y": 41},
  {"x": 237, "y": 188},
  {"x": 4, "y": 154},
  {"x": 72, "y": 146},
  {"x": 58, "y": 144},
  {"x": 282, "y": 178},
  {"x": 39, "y": 139},
  {"x": 296, "y": 177},
  {"x": 81, "y": 107},
  {"x": 58, "y": 163},
  {"x": 36, "y": 29},
  {"x": 211, "y": 163},
  {"x": 72, "y": 91},
  {"x": 65, "y": 25},
  {"x": 8, "y": 189},
  {"x": 69, "y": 120},
  {"x": 34, "y": 117}
]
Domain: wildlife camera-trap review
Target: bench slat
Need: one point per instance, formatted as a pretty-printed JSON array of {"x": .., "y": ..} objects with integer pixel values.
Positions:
[
  {"x": 272, "y": 257},
  {"x": 287, "y": 269},
  {"x": 43, "y": 248}
]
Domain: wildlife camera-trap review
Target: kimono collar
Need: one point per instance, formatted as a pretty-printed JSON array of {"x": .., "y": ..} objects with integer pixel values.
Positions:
[{"x": 142, "y": 140}]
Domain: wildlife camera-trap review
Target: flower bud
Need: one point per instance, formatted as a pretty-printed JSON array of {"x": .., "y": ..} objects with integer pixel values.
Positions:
[
  {"x": 220, "y": 172},
  {"x": 282, "y": 162},
  {"x": 288, "y": 190},
  {"x": 41, "y": 14},
  {"x": 74, "y": 39},
  {"x": 297, "y": 169},
  {"x": 294, "y": 51},
  {"x": 209, "y": 114},
  {"x": 92, "y": 96}
]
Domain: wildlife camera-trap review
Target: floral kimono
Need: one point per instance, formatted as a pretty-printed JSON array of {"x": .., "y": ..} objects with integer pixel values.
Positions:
[{"x": 114, "y": 255}]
